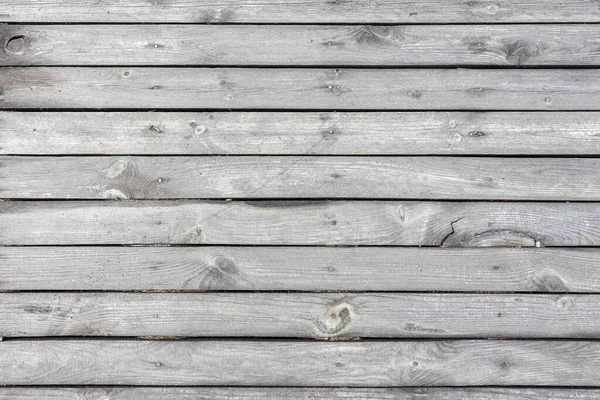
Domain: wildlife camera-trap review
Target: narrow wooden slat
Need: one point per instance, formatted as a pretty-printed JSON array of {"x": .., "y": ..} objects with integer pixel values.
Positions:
[
  {"x": 299, "y": 45},
  {"x": 274, "y": 363},
  {"x": 338, "y": 89},
  {"x": 304, "y": 269},
  {"x": 279, "y": 393},
  {"x": 321, "y": 315},
  {"x": 300, "y": 177},
  {"x": 300, "y": 223},
  {"x": 303, "y": 11},
  {"x": 272, "y": 133}
]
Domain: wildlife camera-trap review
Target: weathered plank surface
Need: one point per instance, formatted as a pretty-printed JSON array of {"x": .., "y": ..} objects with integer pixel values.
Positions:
[
  {"x": 289, "y": 88},
  {"x": 275, "y": 363},
  {"x": 300, "y": 268},
  {"x": 219, "y": 393},
  {"x": 304, "y": 45},
  {"x": 300, "y": 223},
  {"x": 288, "y": 133},
  {"x": 299, "y": 315},
  {"x": 446, "y": 178},
  {"x": 303, "y": 11}
]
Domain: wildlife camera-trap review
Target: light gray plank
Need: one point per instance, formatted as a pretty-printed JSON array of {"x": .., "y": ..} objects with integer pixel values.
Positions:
[
  {"x": 303, "y": 11},
  {"x": 307, "y": 315},
  {"x": 274, "y": 363},
  {"x": 300, "y": 223},
  {"x": 272, "y": 133},
  {"x": 303, "y": 269},
  {"x": 338, "y": 89},
  {"x": 218, "y": 393},
  {"x": 446, "y": 178},
  {"x": 312, "y": 45}
]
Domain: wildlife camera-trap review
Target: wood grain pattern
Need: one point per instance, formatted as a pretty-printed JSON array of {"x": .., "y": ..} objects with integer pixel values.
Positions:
[
  {"x": 320, "y": 315},
  {"x": 300, "y": 223},
  {"x": 232, "y": 393},
  {"x": 289, "y": 363},
  {"x": 302, "y": 45},
  {"x": 300, "y": 268},
  {"x": 289, "y": 88},
  {"x": 306, "y": 177},
  {"x": 303, "y": 11},
  {"x": 288, "y": 133}
]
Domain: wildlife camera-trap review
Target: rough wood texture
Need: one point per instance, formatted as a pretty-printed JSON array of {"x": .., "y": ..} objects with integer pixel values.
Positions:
[
  {"x": 287, "y": 133},
  {"x": 216, "y": 393},
  {"x": 300, "y": 268},
  {"x": 321, "y": 315},
  {"x": 276, "y": 363},
  {"x": 288, "y": 88},
  {"x": 300, "y": 223},
  {"x": 445, "y": 178},
  {"x": 303, "y": 11},
  {"x": 302, "y": 45}
]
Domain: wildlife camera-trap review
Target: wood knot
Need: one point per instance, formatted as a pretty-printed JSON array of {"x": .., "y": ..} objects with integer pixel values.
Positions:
[
  {"x": 564, "y": 303},
  {"x": 336, "y": 319},
  {"x": 549, "y": 281},
  {"x": 221, "y": 274},
  {"x": 16, "y": 45},
  {"x": 117, "y": 169}
]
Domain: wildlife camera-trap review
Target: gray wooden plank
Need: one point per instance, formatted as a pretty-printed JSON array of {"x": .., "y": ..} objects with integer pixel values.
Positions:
[
  {"x": 289, "y": 88},
  {"x": 290, "y": 363},
  {"x": 447, "y": 178},
  {"x": 300, "y": 223},
  {"x": 288, "y": 133},
  {"x": 291, "y": 393},
  {"x": 303, "y": 11},
  {"x": 313, "y": 45},
  {"x": 300, "y": 268},
  {"x": 300, "y": 315}
]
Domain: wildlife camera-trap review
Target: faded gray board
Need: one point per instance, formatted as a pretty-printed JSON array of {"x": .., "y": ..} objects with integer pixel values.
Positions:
[
  {"x": 302, "y": 11},
  {"x": 290, "y": 363},
  {"x": 300, "y": 268},
  {"x": 306, "y": 315},
  {"x": 300, "y": 223},
  {"x": 216, "y": 393},
  {"x": 299, "y": 45},
  {"x": 289, "y": 88},
  {"x": 309, "y": 177},
  {"x": 337, "y": 133}
]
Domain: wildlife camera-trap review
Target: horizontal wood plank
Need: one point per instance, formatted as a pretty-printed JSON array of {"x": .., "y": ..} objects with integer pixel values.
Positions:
[
  {"x": 276, "y": 363},
  {"x": 445, "y": 178},
  {"x": 335, "y": 89},
  {"x": 291, "y": 393},
  {"x": 303, "y": 11},
  {"x": 288, "y": 133},
  {"x": 313, "y": 315},
  {"x": 300, "y": 223},
  {"x": 300, "y": 268},
  {"x": 303, "y": 45}
]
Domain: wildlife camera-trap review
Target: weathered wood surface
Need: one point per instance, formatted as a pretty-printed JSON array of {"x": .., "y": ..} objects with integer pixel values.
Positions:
[
  {"x": 446, "y": 178},
  {"x": 292, "y": 45},
  {"x": 300, "y": 268},
  {"x": 289, "y": 88},
  {"x": 304, "y": 11},
  {"x": 300, "y": 223},
  {"x": 289, "y": 363},
  {"x": 279, "y": 393},
  {"x": 288, "y": 133},
  {"x": 300, "y": 315}
]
